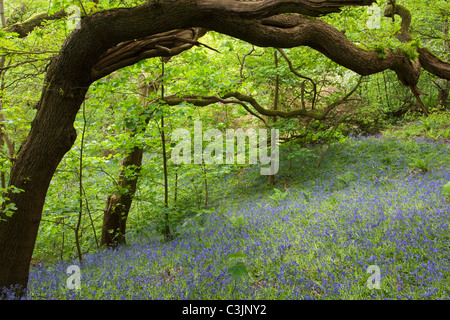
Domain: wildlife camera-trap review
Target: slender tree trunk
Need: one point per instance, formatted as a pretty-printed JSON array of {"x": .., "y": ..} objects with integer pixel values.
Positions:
[
  {"x": 80, "y": 193},
  {"x": 272, "y": 180},
  {"x": 205, "y": 180},
  {"x": 166, "y": 178},
  {"x": 176, "y": 187},
  {"x": 119, "y": 203},
  {"x": 2, "y": 13},
  {"x": 167, "y": 234},
  {"x": 443, "y": 93},
  {"x": 444, "y": 85}
]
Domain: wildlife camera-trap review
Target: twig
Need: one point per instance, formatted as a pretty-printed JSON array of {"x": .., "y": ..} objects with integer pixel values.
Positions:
[{"x": 291, "y": 68}]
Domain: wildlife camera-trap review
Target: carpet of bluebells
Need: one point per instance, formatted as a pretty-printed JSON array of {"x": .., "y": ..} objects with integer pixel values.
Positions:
[{"x": 313, "y": 238}]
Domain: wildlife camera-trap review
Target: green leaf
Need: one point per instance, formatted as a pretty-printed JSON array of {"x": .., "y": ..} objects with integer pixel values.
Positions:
[
  {"x": 237, "y": 270},
  {"x": 446, "y": 189}
]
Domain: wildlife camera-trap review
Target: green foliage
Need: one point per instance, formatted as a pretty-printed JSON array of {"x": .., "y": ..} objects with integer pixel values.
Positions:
[
  {"x": 436, "y": 127},
  {"x": 421, "y": 164},
  {"x": 8, "y": 208},
  {"x": 278, "y": 196},
  {"x": 237, "y": 270},
  {"x": 236, "y": 222},
  {"x": 446, "y": 190},
  {"x": 345, "y": 179}
]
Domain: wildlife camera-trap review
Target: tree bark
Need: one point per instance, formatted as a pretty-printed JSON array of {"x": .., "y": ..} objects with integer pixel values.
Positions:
[
  {"x": 443, "y": 93},
  {"x": 72, "y": 72},
  {"x": 118, "y": 204}
]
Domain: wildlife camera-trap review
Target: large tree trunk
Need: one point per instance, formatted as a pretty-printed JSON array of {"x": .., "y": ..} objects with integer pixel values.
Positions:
[
  {"x": 104, "y": 35},
  {"x": 52, "y": 133},
  {"x": 51, "y": 136}
]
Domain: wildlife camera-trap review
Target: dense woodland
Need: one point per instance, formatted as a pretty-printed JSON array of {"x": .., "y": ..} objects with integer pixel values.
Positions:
[{"x": 92, "y": 93}]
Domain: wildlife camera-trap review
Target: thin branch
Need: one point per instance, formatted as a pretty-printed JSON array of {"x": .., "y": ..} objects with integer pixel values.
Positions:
[
  {"x": 82, "y": 7},
  {"x": 206, "y": 101},
  {"x": 22, "y": 63},
  {"x": 59, "y": 222},
  {"x": 243, "y": 60},
  {"x": 90, "y": 217},
  {"x": 292, "y": 69}
]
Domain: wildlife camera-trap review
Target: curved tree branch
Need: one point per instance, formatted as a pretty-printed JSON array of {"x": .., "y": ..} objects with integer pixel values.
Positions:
[
  {"x": 203, "y": 101},
  {"x": 264, "y": 8},
  {"x": 404, "y": 36},
  {"x": 282, "y": 31},
  {"x": 433, "y": 64},
  {"x": 427, "y": 60},
  {"x": 294, "y": 113},
  {"x": 127, "y": 53},
  {"x": 287, "y": 31},
  {"x": 242, "y": 99}
]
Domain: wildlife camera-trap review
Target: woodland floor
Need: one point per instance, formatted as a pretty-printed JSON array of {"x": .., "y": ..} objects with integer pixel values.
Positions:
[{"x": 314, "y": 237}]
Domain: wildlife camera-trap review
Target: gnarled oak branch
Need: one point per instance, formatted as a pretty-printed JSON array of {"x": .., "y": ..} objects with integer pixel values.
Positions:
[{"x": 242, "y": 99}]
